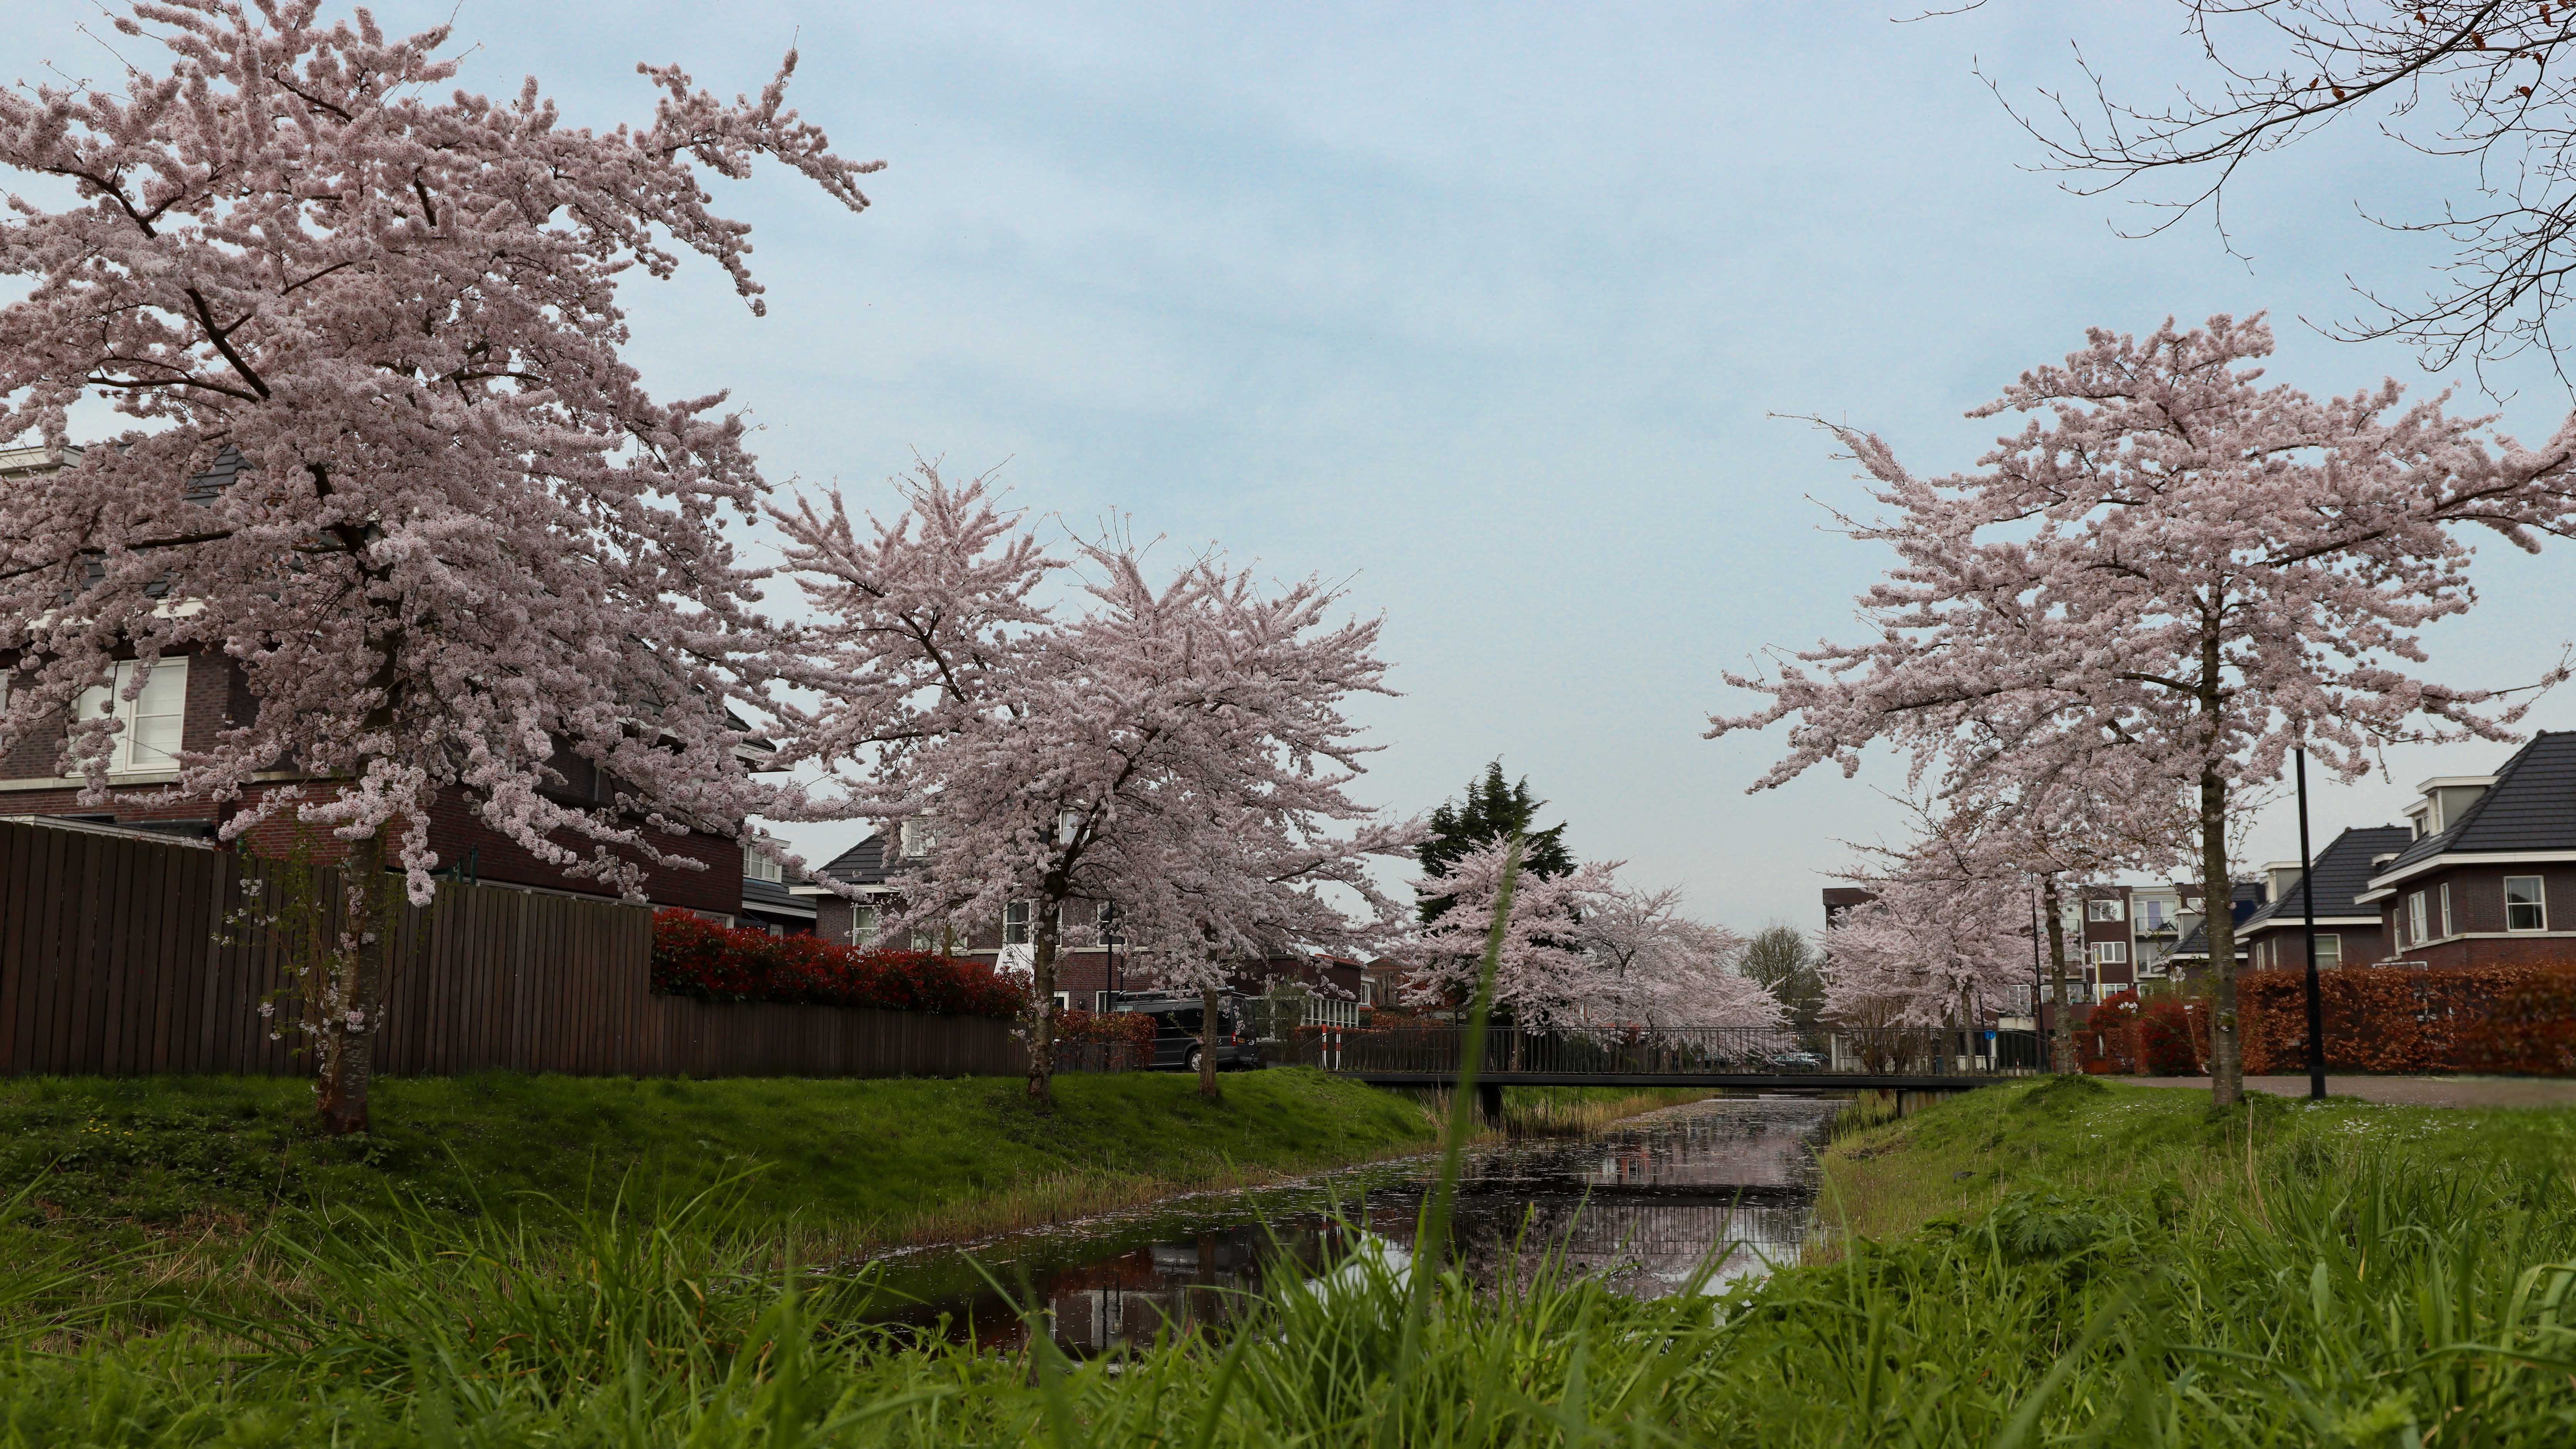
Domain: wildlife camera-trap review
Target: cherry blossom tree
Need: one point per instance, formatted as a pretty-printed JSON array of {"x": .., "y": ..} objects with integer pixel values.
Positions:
[
  {"x": 1581, "y": 952},
  {"x": 1944, "y": 936},
  {"x": 1223, "y": 885},
  {"x": 1096, "y": 750},
  {"x": 1666, "y": 970},
  {"x": 2163, "y": 585},
  {"x": 462, "y": 544},
  {"x": 1543, "y": 978}
]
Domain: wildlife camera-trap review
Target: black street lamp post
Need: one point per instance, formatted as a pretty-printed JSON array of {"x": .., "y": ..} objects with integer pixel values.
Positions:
[{"x": 2308, "y": 924}]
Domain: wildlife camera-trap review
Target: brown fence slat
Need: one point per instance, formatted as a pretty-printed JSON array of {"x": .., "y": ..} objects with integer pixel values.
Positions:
[{"x": 111, "y": 963}]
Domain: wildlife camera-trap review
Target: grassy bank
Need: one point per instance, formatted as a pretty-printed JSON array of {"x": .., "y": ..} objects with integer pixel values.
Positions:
[
  {"x": 2154, "y": 1148},
  {"x": 2116, "y": 1267},
  {"x": 2060, "y": 1263},
  {"x": 846, "y": 1162}
]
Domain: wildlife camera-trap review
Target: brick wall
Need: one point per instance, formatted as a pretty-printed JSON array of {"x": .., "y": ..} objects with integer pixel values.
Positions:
[
  {"x": 2361, "y": 946},
  {"x": 2477, "y": 909}
]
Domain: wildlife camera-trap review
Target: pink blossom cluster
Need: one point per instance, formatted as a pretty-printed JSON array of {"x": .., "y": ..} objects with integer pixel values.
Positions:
[{"x": 1581, "y": 952}]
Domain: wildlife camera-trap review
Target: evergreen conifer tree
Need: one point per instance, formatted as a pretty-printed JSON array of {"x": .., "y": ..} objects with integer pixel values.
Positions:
[{"x": 1493, "y": 811}]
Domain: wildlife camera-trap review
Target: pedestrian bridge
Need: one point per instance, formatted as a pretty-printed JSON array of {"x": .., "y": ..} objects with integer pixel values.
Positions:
[{"x": 1885, "y": 1060}]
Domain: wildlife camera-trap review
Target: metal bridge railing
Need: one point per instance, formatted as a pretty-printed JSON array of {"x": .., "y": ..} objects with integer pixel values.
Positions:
[{"x": 1692, "y": 1051}]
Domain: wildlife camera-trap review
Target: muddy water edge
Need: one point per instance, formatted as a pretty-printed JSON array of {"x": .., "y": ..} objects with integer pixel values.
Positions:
[{"x": 1641, "y": 1204}]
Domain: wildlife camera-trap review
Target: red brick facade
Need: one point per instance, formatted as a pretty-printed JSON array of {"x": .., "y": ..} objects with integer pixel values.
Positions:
[
  {"x": 30, "y": 784},
  {"x": 2478, "y": 935}
]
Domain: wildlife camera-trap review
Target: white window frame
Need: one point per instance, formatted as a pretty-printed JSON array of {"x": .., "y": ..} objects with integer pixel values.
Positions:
[
  {"x": 1019, "y": 919},
  {"x": 2155, "y": 914},
  {"x": 2110, "y": 953},
  {"x": 864, "y": 925},
  {"x": 169, "y": 673},
  {"x": 2329, "y": 950},
  {"x": 2539, "y": 903},
  {"x": 2447, "y": 931},
  {"x": 914, "y": 839},
  {"x": 758, "y": 864},
  {"x": 2104, "y": 911},
  {"x": 2415, "y": 919}
]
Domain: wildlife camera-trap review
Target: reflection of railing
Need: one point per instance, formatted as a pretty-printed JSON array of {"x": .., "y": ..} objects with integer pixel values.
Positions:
[{"x": 1696, "y": 1051}]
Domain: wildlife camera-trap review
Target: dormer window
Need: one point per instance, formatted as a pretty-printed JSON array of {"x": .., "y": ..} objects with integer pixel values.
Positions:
[
  {"x": 759, "y": 864},
  {"x": 915, "y": 839}
]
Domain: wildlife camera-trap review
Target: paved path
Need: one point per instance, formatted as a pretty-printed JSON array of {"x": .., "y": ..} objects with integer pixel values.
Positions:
[{"x": 2406, "y": 1091}]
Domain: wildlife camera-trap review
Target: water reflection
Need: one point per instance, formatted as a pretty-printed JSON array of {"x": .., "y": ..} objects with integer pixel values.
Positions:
[{"x": 1641, "y": 1207}]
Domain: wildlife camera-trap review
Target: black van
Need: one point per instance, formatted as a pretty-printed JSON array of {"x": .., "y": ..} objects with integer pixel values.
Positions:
[{"x": 1176, "y": 1031}]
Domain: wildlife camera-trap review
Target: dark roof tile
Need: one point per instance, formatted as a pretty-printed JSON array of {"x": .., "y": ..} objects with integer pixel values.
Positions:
[
  {"x": 862, "y": 864},
  {"x": 2343, "y": 871},
  {"x": 2531, "y": 806}
]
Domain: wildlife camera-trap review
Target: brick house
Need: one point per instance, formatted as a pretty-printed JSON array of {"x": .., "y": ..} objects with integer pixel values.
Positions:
[
  {"x": 1092, "y": 962},
  {"x": 189, "y": 698},
  {"x": 2348, "y": 929},
  {"x": 2488, "y": 876}
]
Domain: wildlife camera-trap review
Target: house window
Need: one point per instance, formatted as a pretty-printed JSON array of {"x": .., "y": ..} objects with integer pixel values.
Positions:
[
  {"x": 1107, "y": 924},
  {"x": 863, "y": 925},
  {"x": 2329, "y": 951},
  {"x": 2415, "y": 919},
  {"x": 2446, "y": 910},
  {"x": 915, "y": 839},
  {"x": 2110, "y": 953},
  {"x": 1015, "y": 922},
  {"x": 2155, "y": 915},
  {"x": 150, "y": 739},
  {"x": 2102, "y": 910},
  {"x": 758, "y": 864},
  {"x": 2525, "y": 907}
]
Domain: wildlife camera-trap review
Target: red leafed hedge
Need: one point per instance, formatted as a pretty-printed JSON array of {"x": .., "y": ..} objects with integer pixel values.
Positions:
[
  {"x": 1133, "y": 1027},
  {"x": 2515, "y": 1020},
  {"x": 692, "y": 957},
  {"x": 2157, "y": 1037}
]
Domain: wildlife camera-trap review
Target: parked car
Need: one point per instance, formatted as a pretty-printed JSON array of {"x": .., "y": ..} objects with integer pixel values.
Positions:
[
  {"x": 1177, "y": 1046},
  {"x": 1797, "y": 1062}
]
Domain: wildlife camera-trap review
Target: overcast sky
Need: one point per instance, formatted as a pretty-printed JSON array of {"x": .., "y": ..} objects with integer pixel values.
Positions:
[{"x": 1488, "y": 311}]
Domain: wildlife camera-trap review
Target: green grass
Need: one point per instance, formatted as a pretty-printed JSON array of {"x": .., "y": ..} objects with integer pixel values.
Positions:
[
  {"x": 2085, "y": 1136},
  {"x": 2117, "y": 1266},
  {"x": 853, "y": 1161}
]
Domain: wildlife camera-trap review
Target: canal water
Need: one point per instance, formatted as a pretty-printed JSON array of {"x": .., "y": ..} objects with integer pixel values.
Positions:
[{"x": 1641, "y": 1206}]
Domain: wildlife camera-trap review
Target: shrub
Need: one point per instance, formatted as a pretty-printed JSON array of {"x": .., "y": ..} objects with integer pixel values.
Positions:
[
  {"x": 2108, "y": 1039},
  {"x": 2519, "y": 1020},
  {"x": 693, "y": 957},
  {"x": 1132, "y": 1027},
  {"x": 2167, "y": 1039}
]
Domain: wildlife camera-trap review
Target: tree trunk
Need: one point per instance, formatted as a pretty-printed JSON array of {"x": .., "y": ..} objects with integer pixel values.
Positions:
[
  {"x": 2061, "y": 1042},
  {"x": 2218, "y": 907},
  {"x": 1207, "y": 1043},
  {"x": 1042, "y": 1008},
  {"x": 345, "y": 1044}
]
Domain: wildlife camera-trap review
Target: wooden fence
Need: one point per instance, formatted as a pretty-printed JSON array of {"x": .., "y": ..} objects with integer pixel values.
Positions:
[{"x": 122, "y": 956}]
